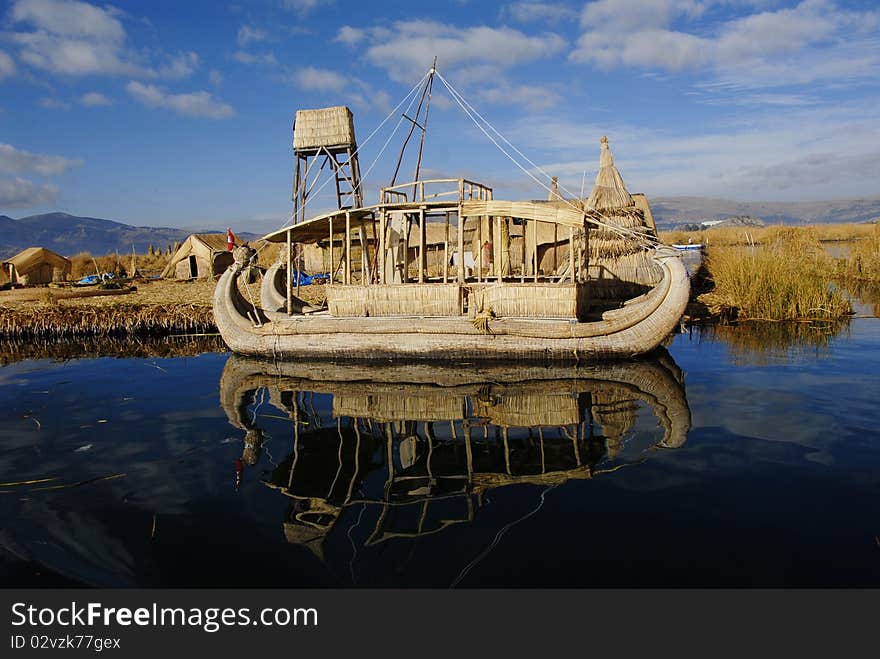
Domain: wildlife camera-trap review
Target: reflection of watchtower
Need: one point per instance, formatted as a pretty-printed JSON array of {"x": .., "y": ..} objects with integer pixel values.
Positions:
[{"x": 328, "y": 132}]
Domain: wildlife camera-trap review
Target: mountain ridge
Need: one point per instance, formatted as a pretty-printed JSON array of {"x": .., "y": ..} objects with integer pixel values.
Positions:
[{"x": 71, "y": 234}]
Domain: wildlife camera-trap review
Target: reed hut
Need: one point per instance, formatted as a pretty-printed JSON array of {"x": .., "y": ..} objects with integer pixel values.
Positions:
[
  {"x": 619, "y": 265},
  {"x": 36, "y": 265},
  {"x": 201, "y": 255}
]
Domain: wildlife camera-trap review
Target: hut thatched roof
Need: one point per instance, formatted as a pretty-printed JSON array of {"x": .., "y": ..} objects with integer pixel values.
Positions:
[
  {"x": 33, "y": 256},
  {"x": 204, "y": 245},
  {"x": 325, "y": 127}
]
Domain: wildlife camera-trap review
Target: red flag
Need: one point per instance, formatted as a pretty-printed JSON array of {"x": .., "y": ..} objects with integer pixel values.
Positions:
[{"x": 230, "y": 239}]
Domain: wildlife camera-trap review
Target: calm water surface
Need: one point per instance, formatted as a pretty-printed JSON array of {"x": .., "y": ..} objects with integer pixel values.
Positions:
[{"x": 739, "y": 457}]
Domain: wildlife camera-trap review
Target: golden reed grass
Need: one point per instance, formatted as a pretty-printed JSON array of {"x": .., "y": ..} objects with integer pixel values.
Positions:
[
  {"x": 728, "y": 236},
  {"x": 786, "y": 278}
]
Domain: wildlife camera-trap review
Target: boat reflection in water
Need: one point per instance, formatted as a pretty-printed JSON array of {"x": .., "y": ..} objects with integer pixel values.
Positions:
[{"x": 420, "y": 447}]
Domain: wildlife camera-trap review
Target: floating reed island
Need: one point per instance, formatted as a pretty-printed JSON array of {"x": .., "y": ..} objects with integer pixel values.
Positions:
[{"x": 149, "y": 308}]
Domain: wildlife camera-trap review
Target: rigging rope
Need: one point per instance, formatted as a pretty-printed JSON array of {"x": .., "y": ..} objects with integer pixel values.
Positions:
[
  {"x": 289, "y": 216},
  {"x": 592, "y": 214}
]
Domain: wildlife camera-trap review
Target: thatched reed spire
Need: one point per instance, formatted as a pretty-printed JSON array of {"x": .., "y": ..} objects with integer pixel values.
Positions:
[{"x": 610, "y": 190}]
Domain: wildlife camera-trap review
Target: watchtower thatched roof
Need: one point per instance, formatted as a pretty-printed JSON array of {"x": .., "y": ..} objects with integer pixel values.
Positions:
[{"x": 324, "y": 127}]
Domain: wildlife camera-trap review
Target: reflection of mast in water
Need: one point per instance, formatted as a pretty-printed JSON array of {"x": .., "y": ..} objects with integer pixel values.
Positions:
[{"x": 443, "y": 436}]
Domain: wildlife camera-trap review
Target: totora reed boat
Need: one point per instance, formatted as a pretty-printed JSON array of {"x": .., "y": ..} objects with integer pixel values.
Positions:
[{"x": 440, "y": 270}]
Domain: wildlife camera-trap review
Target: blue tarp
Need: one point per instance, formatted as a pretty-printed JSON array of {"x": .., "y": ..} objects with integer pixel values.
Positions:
[
  {"x": 307, "y": 280},
  {"x": 90, "y": 280}
]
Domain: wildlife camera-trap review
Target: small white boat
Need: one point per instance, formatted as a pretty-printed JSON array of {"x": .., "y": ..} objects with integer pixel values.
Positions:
[{"x": 693, "y": 246}]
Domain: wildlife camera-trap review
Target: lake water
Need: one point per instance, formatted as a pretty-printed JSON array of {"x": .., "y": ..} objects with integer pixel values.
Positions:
[{"x": 740, "y": 456}]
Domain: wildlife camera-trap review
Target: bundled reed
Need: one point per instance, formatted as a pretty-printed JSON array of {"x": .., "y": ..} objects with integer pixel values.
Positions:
[
  {"x": 394, "y": 300},
  {"x": 531, "y": 300},
  {"x": 786, "y": 279}
]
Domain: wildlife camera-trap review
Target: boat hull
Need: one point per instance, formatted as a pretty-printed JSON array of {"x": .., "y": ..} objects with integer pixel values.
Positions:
[{"x": 637, "y": 328}]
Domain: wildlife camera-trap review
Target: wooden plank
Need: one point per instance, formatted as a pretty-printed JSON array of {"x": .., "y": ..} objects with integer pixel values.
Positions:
[{"x": 558, "y": 213}]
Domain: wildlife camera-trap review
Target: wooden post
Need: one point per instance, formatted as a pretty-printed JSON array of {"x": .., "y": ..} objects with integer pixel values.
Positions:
[
  {"x": 407, "y": 224},
  {"x": 332, "y": 262},
  {"x": 446, "y": 251},
  {"x": 479, "y": 248},
  {"x": 382, "y": 255},
  {"x": 535, "y": 256},
  {"x": 422, "y": 259},
  {"x": 347, "y": 248},
  {"x": 555, "y": 247},
  {"x": 586, "y": 253},
  {"x": 289, "y": 275},
  {"x": 461, "y": 221},
  {"x": 571, "y": 264}
]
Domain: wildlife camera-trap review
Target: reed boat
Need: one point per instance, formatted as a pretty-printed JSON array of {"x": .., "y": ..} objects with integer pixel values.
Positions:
[{"x": 440, "y": 270}]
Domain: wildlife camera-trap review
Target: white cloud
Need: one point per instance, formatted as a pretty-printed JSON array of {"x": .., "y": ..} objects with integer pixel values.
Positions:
[
  {"x": 52, "y": 103},
  {"x": 7, "y": 65},
  {"x": 70, "y": 19},
  {"x": 803, "y": 153},
  {"x": 18, "y": 161},
  {"x": 73, "y": 38},
  {"x": 254, "y": 58},
  {"x": 17, "y": 192},
  {"x": 815, "y": 40},
  {"x": 248, "y": 34},
  {"x": 180, "y": 66},
  {"x": 534, "y": 98},
  {"x": 93, "y": 99},
  {"x": 535, "y": 12},
  {"x": 196, "y": 104},
  {"x": 303, "y": 7},
  {"x": 350, "y": 36},
  {"x": 407, "y": 48},
  {"x": 322, "y": 80},
  {"x": 215, "y": 77}
]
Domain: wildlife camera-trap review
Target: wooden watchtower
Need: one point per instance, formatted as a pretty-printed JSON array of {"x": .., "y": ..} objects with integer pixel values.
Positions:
[{"x": 327, "y": 133}]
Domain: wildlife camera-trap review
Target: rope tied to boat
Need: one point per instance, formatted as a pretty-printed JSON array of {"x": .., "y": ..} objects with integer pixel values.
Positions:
[{"x": 481, "y": 321}]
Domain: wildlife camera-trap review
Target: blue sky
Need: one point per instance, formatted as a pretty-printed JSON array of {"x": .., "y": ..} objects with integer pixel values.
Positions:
[{"x": 179, "y": 113}]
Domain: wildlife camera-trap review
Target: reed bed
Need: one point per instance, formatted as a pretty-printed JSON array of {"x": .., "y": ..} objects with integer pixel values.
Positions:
[
  {"x": 785, "y": 279},
  {"x": 863, "y": 262},
  {"x": 62, "y": 321},
  {"x": 730, "y": 236}
]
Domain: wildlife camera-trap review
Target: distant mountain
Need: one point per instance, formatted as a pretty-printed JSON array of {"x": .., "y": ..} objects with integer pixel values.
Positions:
[
  {"x": 736, "y": 221},
  {"x": 69, "y": 234},
  {"x": 671, "y": 211}
]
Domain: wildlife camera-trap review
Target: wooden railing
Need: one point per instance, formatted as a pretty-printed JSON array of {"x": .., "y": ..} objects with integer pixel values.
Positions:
[{"x": 435, "y": 190}]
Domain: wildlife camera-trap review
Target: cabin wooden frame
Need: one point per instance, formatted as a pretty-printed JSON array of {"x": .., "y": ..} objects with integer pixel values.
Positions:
[{"x": 387, "y": 281}]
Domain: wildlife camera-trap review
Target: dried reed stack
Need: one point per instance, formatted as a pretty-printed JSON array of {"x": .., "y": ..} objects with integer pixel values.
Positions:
[
  {"x": 58, "y": 321},
  {"x": 611, "y": 198}
]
